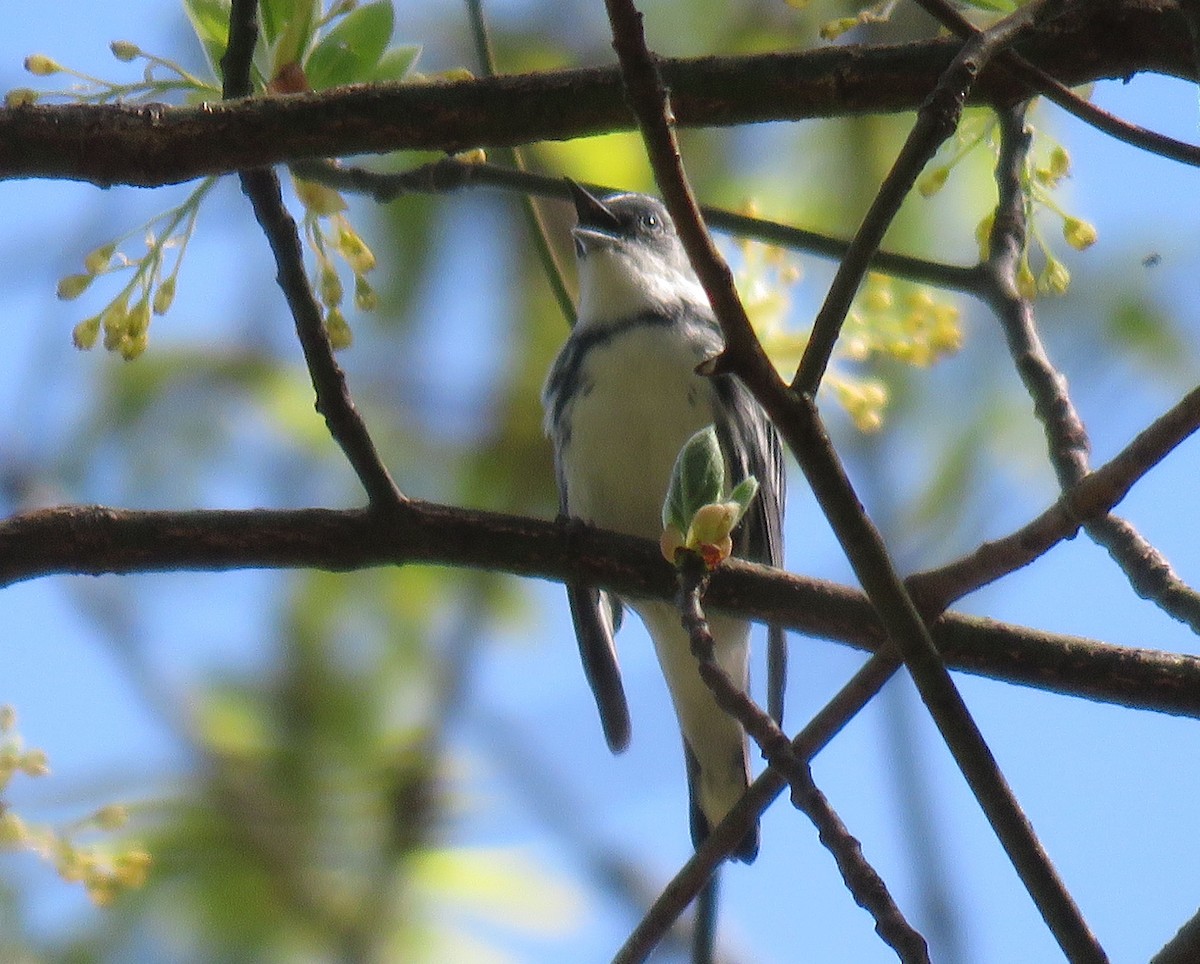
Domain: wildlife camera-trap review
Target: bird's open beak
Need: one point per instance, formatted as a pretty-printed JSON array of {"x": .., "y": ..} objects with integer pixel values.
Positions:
[{"x": 597, "y": 227}]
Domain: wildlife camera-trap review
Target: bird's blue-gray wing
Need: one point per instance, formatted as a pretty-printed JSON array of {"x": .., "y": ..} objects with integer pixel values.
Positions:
[
  {"x": 751, "y": 446},
  {"x": 595, "y": 614}
]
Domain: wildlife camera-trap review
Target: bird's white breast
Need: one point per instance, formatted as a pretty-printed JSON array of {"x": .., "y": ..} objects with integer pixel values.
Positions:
[{"x": 641, "y": 400}]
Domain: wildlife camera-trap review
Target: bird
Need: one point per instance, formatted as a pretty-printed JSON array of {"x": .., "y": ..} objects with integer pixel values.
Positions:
[{"x": 621, "y": 399}]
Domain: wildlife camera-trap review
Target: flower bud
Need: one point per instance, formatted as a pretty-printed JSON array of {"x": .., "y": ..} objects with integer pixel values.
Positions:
[
  {"x": 130, "y": 869},
  {"x": 41, "y": 66},
  {"x": 365, "y": 298},
  {"x": 712, "y": 523},
  {"x": 164, "y": 296},
  {"x": 125, "y": 51},
  {"x": 138, "y": 322},
  {"x": 1026, "y": 283},
  {"x": 35, "y": 763},
  {"x": 1079, "y": 234},
  {"x": 73, "y": 285},
  {"x": 98, "y": 260},
  {"x": 20, "y": 97},
  {"x": 983, "y": 236},
  {"x": 1055, "y": 279},
  {"x": 85, "y": 333},
  {"x": 131, "y": 346},
  {"x": 354, "y": 249},
  {"x": 12, "y": 829},
  {"x": 932, "y": 181},
  {"x": 835, "y": 28},
  {"x": 340, "y": 335},
  {"x": 111, "y": 817},
  {"x": 331, "y": 287},
  {"x": 319, "y": 199},
  {"x": 1060, "y": 162}
]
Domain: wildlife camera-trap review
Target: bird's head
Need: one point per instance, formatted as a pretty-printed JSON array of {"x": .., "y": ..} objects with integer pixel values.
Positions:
[{"x": 630, "y": 258}]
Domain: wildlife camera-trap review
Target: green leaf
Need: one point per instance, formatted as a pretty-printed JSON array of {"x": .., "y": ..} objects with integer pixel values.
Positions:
[
  {"x": 291, "y": 30},
  {"x": 210, "y": 21},
  {"x": 395, "y": 64},
  {"x": 352, "y": 50},
  {"x": 278, "y": 17},
  {"x": 697, "y": 479},
  {"x": 743, "y": 494}
]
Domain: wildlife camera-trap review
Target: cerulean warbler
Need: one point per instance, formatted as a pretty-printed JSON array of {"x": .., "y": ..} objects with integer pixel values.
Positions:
[{"x": 621, "y": 400}]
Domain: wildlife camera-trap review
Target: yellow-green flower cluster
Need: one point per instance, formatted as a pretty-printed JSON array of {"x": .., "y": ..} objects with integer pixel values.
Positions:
[
  {"x": 900, "y": 320},
  {"x": 160, "y": 79},
  {"x": 339, "y": 238},
  {"x": 892, "y": 318},
  {"x": 1039, "y": 179},
  {"x": 125, "y": 320},
  {"x": 863, "y": 399},
  {"x": 765, "y": 279},
  {"x": 103, "y": 870}
]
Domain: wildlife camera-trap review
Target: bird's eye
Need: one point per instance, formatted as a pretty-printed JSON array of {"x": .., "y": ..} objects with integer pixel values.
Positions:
[{"x": 650, "y": 221}]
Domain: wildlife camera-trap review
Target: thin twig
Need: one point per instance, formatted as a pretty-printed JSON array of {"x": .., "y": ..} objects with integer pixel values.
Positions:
[
  {"x": 797, "y": 419},
  {"x": 726, "y": 835},
  {"x": 1149, "y": 573},
  {"x": 332, "y": 394},
  {"x": 261, "y": 187},
  {"x": 239, "y": 49},
  {"x": 1089, "y": 499},
  {"x": 1041, "y": 82},
  {"x": 533, "y": 216},
  {"x": 861, "y": 879},
  {"x": 936, "y": 121},
  {"x": 451, "y": 174}
]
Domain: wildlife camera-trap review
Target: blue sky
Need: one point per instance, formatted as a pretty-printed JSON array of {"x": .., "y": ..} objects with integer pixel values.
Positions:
[{"x": 1111, "y": 791}]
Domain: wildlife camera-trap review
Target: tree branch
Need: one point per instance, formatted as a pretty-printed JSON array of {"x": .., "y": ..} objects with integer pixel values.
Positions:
[
  {"x": 1052, "y": 90},
  {"x": 1090, "y": 498},
  {"x": 1147, "y": 570},
  {"x": 936, "y": 121},
  {"x": 861, "y": 879},
  {"x": 451, "y": 174},
  {"x": 152, "y": 144},
  {"x": 262, "y": 188},
  {"x": 97, "y": 540}
]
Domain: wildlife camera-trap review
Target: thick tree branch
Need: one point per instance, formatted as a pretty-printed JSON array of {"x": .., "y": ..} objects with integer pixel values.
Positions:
[
  {"x": 96, "y": 540},
  {"x": 151, "y": 145}
]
